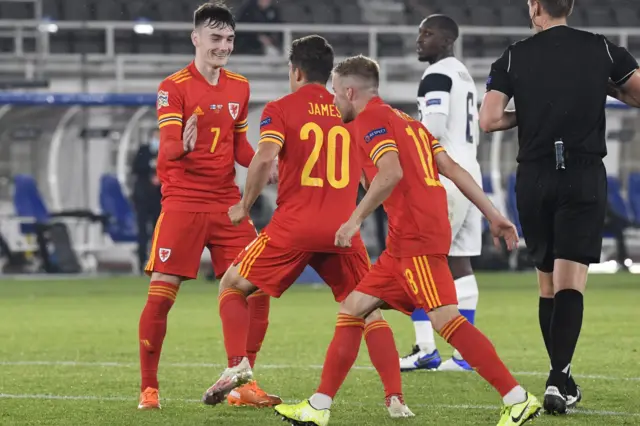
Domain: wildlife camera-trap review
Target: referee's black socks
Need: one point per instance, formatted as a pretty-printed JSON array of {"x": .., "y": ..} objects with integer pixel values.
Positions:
[
  {"x": 545, "y": 313},
  {"x": 566, "y": 323}
]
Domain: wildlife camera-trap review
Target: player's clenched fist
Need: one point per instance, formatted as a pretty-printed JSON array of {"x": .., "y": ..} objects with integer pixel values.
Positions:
[
  {"x": 190, "y": 134},
  {"x": 346, "y": 232},
  {"x": 237, "y": 213}
]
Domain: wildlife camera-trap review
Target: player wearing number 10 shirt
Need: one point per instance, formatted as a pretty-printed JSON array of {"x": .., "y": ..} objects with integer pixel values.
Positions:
[
  {"x": 413, "y": 271},
  {"x": 202, "y": 116},
  {"x": 319, "y": 170}
]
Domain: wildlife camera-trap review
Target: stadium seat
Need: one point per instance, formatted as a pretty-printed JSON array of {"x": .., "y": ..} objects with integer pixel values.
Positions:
[
  {"x": 578, "y": 18},
  {"x": 513, "y": 16},
  {"x": 633, "y": 192},
  {"x": 17, "y": 10},
  {"x": 28, "y": 203},
  {"x": 459, "y": 14},
  {"x": 350, "y": 13},
  {"x": 122, "y": 225},
  {"x": 296, "y": 13},
  {"x": 600, "y": 17},
  {"x": 626, "y": 16},
  {"x": 617, "y": 202},
  {"x": 77, "y": 11}
]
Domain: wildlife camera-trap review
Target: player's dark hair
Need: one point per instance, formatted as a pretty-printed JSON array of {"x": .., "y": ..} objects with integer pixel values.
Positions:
[
  {"x": 313, "y": 55},
  {"x": 558, "y": 8},
  {"x": 213, "y": 15},
  {"x": 359, "y": 66},
  {"x": 444, "y": 23}
]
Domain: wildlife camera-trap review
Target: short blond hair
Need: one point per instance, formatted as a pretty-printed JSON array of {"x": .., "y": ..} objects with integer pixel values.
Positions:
[{"x": 359, "y": 66}]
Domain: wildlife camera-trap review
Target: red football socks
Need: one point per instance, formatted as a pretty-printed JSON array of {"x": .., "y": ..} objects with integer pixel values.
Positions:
[
  {"x": 153, "y": 328},
  {"x": 342, "y": 354},
  {"x": 234, "y": 313},
  {"x": 384, "y": 356},
  {"x": 478, "y": 351},
  {"x": 259, "y": 303}
]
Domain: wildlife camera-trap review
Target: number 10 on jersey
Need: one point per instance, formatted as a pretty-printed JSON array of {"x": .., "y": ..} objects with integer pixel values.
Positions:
[{"x": 425, "y": 154}]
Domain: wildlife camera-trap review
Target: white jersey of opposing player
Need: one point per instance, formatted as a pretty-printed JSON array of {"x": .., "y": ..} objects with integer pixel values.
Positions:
[
  {"x": 447, "y": 88},
  {"x": 447, "y": 101}
]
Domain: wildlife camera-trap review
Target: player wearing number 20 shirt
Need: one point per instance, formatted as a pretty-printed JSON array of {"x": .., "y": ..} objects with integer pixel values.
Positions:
[
  {"x": 198, "y": 187},
  {"x": 319, "y": 172}
]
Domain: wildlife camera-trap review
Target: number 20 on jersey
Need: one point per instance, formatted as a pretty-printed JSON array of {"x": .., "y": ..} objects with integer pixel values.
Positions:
[{"x": 313, "y": 130}]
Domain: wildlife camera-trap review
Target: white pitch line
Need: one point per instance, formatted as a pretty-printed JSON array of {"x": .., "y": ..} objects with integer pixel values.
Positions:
[
  {"x": 427, "y": 406},
  {"x": 117, "y": 364}
]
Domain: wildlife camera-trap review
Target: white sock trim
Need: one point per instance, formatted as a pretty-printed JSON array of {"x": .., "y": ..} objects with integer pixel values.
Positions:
[
  {"x": 320, "y": 401},
  {"x": 515, "y": 396}
]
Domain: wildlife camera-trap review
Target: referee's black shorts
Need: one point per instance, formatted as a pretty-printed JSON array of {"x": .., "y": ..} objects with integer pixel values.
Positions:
[{"x": 562, "y": 211}]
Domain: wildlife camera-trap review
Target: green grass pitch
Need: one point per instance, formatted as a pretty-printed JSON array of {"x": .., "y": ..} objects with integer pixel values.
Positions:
[{"x": 69, "y": 356}]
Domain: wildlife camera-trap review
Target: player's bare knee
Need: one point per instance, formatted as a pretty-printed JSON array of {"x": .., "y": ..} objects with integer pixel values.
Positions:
[
  {"x": 171, "y": 279},
  {"x": 440, "y": 316},
  {"x": 460, "y": 266},
  {"x": 569, "y": 275},
  {"x": 359, "y": 305},
  {"x": 374, "y": 316},
  {"x": 545, "y": 282},
  {"x": 230, "y": 279}
]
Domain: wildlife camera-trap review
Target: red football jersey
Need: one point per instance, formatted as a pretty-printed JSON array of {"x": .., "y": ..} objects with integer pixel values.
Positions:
[
  {"x": 417, "y": 208},
  {"x": 319, "y": 168},
  {"x": 202, "y": 180}
]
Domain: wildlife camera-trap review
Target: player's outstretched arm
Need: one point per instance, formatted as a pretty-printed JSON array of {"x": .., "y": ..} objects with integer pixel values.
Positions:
[
  {"x": 467, "y": 185},
  {"x": 501, "y": 227},
  {"x": 493, "y": 114}
]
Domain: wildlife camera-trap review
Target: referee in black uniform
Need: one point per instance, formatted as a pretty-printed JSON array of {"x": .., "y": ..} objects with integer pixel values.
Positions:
[{"x": 559, "y": 79}]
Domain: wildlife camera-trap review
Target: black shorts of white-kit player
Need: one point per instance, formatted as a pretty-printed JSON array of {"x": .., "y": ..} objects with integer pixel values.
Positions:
[{"x": 558, "y": 79}]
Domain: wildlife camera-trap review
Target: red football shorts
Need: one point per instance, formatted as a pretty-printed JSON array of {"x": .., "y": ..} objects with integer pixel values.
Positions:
[
  {"x": 407, "y": 283},
  {"x": 180, "y": 237},
  {"x": 273, "y": 269}
]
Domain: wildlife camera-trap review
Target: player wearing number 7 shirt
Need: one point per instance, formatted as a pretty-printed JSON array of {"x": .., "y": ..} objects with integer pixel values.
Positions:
[
  {"x": 320, "y": 169},
  {"x": 202, "y": 115},
  {"x": 412, "y": 272}
]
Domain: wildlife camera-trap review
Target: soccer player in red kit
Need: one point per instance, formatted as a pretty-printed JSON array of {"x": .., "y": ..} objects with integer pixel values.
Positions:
[
  {"x": 320, "y": 169},
  {"x": 202, "y": 116},
  {"x": 413, "y": 271}
]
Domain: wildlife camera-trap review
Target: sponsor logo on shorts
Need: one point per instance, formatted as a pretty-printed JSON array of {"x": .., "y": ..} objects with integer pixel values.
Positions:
[
  {"x": 163, "y": 99},
  {"x": 265, "y": 122},
  {"x": 164, "y": 254},
  {"x": 374, "y": 133},
  {"x": 432, "y": 102},
  {"x": 234, "y": 109},
  {"x": 489, "y": 80}
]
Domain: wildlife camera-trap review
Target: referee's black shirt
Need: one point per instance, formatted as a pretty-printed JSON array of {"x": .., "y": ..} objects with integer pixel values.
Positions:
[{"x": 558, "y": 79}]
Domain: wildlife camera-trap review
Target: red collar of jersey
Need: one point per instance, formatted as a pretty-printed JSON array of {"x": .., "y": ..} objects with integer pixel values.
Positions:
[
  {"x": 376, "y": 100},
  {"x": 313, "y": 87},
  {"x": 222, "y": 81}
]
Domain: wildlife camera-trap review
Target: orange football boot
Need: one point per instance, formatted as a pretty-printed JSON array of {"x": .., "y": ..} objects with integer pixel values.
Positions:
[
  {"x": 149, "y": 399},
  {"x": 250, "y": 395}
]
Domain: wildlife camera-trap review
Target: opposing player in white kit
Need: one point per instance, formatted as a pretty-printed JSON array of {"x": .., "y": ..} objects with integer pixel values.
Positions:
[{"x": 447, "y": 101}]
